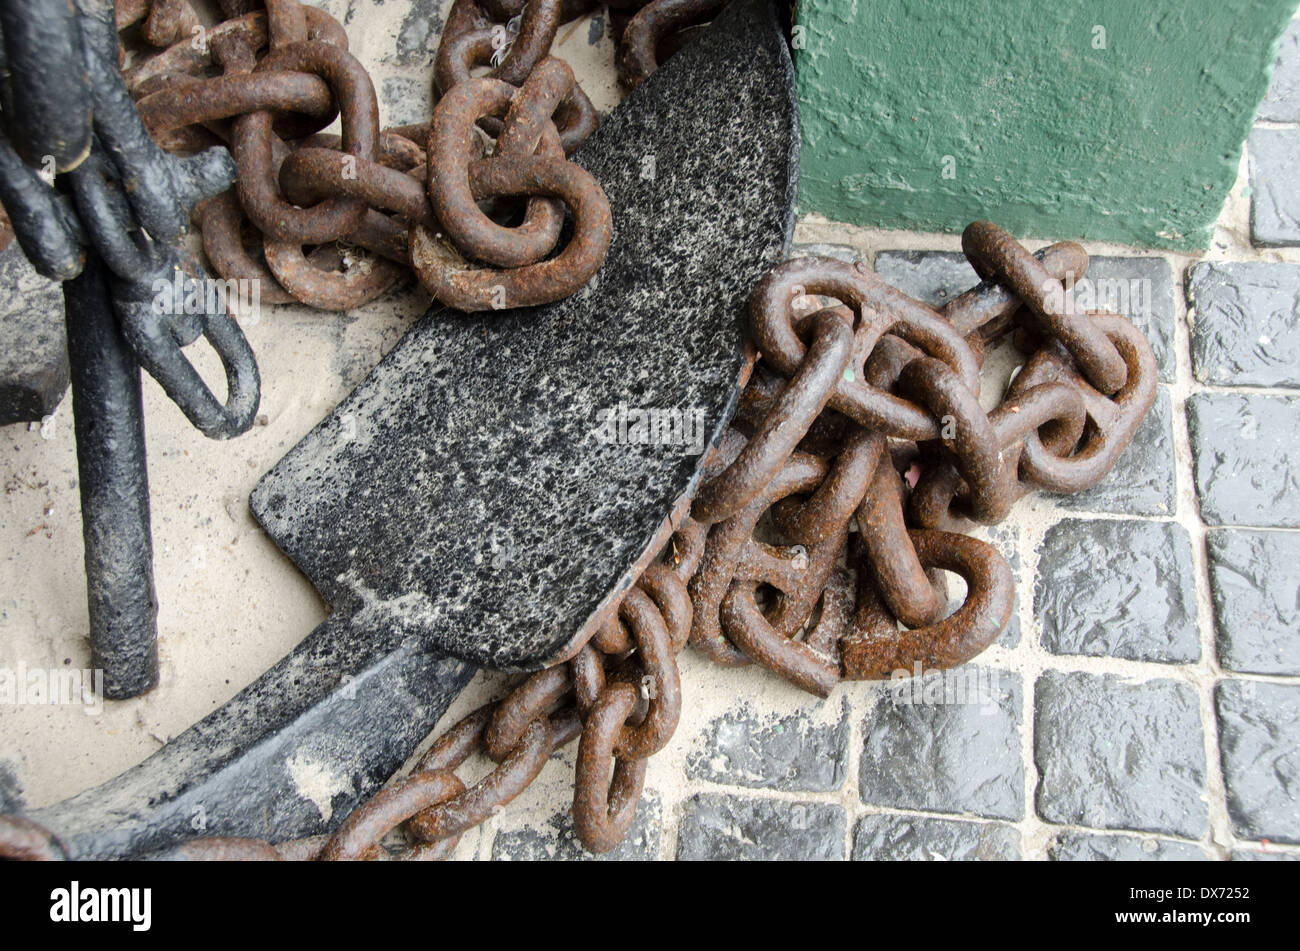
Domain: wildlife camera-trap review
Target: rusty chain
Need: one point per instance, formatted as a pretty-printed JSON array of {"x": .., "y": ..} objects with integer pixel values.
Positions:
[
  {"x": 473, "y": 202},
  {"x": 857, "y": 459}
]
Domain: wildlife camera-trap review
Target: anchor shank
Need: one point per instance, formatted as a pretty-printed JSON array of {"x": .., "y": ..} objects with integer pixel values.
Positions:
[{"x": 109, "y": 422}]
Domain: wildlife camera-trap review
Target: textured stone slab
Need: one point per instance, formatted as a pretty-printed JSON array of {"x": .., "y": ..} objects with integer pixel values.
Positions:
[
  {"x": 1255, "y": 583},
  {"x": 1247, "y": 458},
  {"x": 1079, "y": 847},
  {"x": 840, "y": 252},
  {"x": 33, "y": 347},
  {"x": 405, "y": 100},
  {"x": 1274, "y": 187},
  {"x": 465, "y": 488},
  {"x": 11, "y": 790},
  {"x": 1258, "y": 855},
  {"x": 418, "y": 34},
  {"x": 794, "y": 752},
  {"x": 1139, "y": 288},
  {"x": 1117, "y": 755},
  {"x": 1282, "y": 104},
  {"x": 1117, "y": 589},
  {"x": 921, "y": 839},
  {"x": 1259, "y": 740},
  {"x": 1246, "y": 330},
  {"x": 1005, "y": 537},
  {"x": 946, "y": 742},
  {"x": 933, "y": 277},
  {"x": 1143, "y": 480},
  {"x": 730, "y": 828},
  {"x": 558, "y": 842}
]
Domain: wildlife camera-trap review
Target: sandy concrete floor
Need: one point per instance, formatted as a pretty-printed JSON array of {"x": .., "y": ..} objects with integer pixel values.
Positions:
[{"x": 232, "y": 604}]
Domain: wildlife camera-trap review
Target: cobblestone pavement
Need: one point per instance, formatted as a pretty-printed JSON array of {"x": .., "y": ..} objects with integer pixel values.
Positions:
[{"x": 1143, "y": 704}]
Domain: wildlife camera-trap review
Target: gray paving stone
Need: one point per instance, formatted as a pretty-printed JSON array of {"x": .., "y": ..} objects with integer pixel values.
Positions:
[
  {"x": 1140, "y": 288},
  {"x": 1247, "y": 326},
  {"x": 922, "y": 839},
  {"x": 1247, "y": 458},
  {"x": 946, "y": 742},
  {"x": 1081, "y": 847},
  {"x": 746, "y": 748},
  {"x": 1117, "y": 755},
  {"x": 1118, "y": 589},
  {"x": 1143, "y": 480},
  {"x": 933, "y": 277},
  {"x": 11, "y": 790},
  {"x": 1254, "y": 855},
  {"x": 1274, "y": 187},
  {"x": 33, "y": 345},
  {"x": 1259, "y": 740},
  {"x": 840, "y": 252},
  {"x": 418, "y": 34},
  {"x": 1255, "y": 584},
  {"x": 558, "y": 841},
  {"x": 405, "y": 100},
  {"x": 1006, "y": 539},
  {"x": 1282, "y": 104},
  {"x": 718, "y": 827}
]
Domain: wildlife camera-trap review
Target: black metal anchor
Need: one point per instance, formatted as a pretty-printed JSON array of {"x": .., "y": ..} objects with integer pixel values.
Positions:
[{"x": 108, "y": 229}]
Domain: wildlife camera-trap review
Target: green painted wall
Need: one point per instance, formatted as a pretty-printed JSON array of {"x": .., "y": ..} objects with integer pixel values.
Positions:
[{"x": 928, "y": 114}]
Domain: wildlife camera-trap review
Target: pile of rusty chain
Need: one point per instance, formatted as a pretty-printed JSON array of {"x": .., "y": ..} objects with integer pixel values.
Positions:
[
  {"x": 340, "y": 218},
  {"x": 858, "y": 457}
]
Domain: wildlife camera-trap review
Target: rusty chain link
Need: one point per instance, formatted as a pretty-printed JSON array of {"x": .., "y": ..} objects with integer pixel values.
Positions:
[
  {"x": 658, "y": 29},
  {"x": 817, "y": 545}
]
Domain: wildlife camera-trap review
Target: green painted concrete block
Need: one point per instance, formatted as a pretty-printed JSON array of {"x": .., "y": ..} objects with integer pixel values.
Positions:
[{"x": 1102, "y": 119}]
